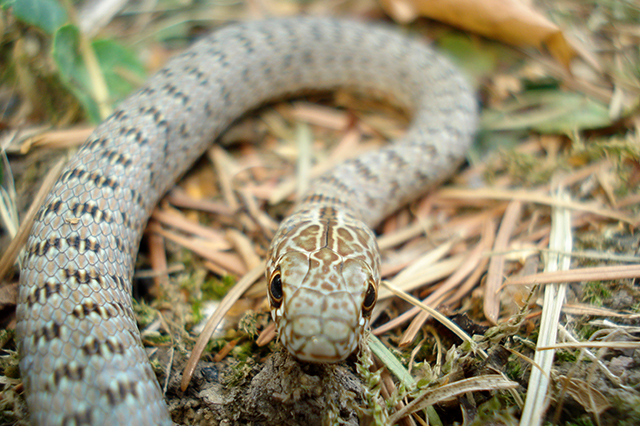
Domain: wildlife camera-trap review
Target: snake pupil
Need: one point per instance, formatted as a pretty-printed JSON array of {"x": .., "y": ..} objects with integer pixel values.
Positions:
[
  {"x": 369, "y": 299},
  {"x": 275, "y": 290}
]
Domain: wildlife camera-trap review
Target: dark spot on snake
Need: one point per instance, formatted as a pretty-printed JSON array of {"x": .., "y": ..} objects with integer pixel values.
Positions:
[
  {"x": 42, "y": 294},
  {"x": 49, "y": 332},
  {"x": 114, "y": 346},
  {"x": 100, "y": 142},
  {"x": 70, "y": 372},
  {"x": 397, "y": 160},
  {"x": 225, "y": 97},
  {"x": 119, "y": 282},
  {"x": 287, "y": 60},
  {"x": 91, "y": 347},
  {"x": 245, "y": 75},
  {"x": 81, "y": 418},
  {"x": 208, "y": 110},
  {"x": 118, "y": 393}
]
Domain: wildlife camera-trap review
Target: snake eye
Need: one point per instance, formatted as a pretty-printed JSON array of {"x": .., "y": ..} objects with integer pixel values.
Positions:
[
  {"x": 275, "y": 289},
  {"x": 369, "y": 299}
]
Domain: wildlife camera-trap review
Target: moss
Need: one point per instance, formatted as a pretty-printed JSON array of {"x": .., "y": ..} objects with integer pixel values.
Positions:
[
  {"x": 595, "y": 293},
  {"x": 582, "y": 421},
  {"x": 567, "y": 356},
  {"x": 496, "y": 411},
  {"x": 145, "y": 314},
  {"x": 528, "y": 169},
  {"x": 216, "y": 289}
]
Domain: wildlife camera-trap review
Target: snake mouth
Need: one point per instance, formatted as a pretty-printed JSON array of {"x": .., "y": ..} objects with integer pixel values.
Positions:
[
  {"x": 318, "y": 347},
  {"x": 322, "y": 350}
]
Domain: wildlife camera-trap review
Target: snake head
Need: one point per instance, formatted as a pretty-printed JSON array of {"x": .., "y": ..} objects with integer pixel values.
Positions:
[{"x": 322, "y": 296}]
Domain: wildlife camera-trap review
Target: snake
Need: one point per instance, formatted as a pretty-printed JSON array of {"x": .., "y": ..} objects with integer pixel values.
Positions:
[{"x": 81, "y": 355}]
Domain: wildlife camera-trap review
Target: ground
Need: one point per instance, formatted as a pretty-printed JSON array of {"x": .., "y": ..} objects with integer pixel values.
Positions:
[{"x": 558, "y": 120}]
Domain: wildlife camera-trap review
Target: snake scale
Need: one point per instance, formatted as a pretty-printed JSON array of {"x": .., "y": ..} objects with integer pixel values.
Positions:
[{"x": 82, "y": 358}]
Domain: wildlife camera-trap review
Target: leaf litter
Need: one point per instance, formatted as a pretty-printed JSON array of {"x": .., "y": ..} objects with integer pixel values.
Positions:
[{"x": 471, "y": 251}]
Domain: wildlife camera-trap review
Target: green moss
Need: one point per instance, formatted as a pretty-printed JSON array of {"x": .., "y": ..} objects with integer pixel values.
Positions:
[
  {"x": 528, "y": 169},
  {"x": 514, "y": 368},
  {"x": 157, "y": 338},
  {"x": 196, "y": 310},
  {"x": 248, "y": 324},
  {"x": 145, "y": 314},
  {"x": 586, "y": 331},
  {"x": 581, "y": 421},
  {"x": 216, "y": 289},
  {"x": 496, "y": 411},
  {"x": 566, "y": 356},
  {"x": 238, "y": 373},
  {"x": 595, "y": 293}
]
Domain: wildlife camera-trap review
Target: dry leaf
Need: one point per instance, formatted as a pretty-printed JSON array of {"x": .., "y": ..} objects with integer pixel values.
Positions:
[
  {"x": 586, "y": 395},
  {"x": 510, "y": 21},
  {"x": 8, "y": 294}
]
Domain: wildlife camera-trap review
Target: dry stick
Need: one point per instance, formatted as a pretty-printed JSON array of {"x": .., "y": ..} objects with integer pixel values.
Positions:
[
  {"x": 157, "y": 259},
  {"x": 221, "y": 162},
  {"x": 584, "y": 309},
  {"x": 532, "y": 197},
  {"x": 466, "y": 227},
  {"x": 595, "y": 359},
  {"x": 600, "y": 273},
  {"x": 179, "y": 198},
  {"x": 56, "y": 139},
  {"x": 629, "y": 201},
  {"x": 437, "y": 297},
  {"x": 179, "y": 221},
  {"x": 438, "y": 316},
  {"x": 268, "y": 334},
  {"x": 258, "y": 215},
  {"x": 392, "y": 239},
  {"x": 474, "y": 266},
  {"x": 488, "y": 232},
  {"x": 229, "y": 262},
  {"x": 437, "y": 271},
  {"x": 441, "y": 393},
  {"x": 304, "y": 140},
  {"x": 9, "y": 257},
  {"x": 538, "y": 387},
  {"x": 244, "y": 248},
  {"x": 225, "y": 304},
  {"x": 610, "y": 345},
  {"x": 348, "y": 147},
  {"x": 321, "y": 116},
  {"x": 496, "y": 265}
]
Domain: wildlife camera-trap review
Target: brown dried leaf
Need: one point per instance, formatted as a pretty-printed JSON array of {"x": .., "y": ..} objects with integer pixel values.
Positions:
[
  {"x": 8, "y": 294},
  {"x": 586, "y": 395},
  {"x": 510, "y": 21}
]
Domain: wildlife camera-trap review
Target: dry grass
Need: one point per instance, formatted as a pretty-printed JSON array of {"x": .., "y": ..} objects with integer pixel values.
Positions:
[{"x": 473, "y": 251}]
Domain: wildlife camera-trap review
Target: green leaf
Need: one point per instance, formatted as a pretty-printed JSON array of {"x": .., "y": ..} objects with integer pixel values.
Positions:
[
  {"x": 47, "y": 15},
  {"x": 390, "y": 361},
  {"x": 476, "y": 60},
  {"x": 548, "y": 111},
  {"x": 72, "y": 70},
  {"x": 118, "y": 64}
]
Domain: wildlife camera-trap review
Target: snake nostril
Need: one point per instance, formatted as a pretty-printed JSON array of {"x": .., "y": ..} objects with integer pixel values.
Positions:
[
  {"x": 369, "y": 299},
  {"x": 275, "y": 289}
]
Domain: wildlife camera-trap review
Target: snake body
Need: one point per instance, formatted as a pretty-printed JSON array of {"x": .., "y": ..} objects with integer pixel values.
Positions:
[{"x": 82, "y": 358}]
